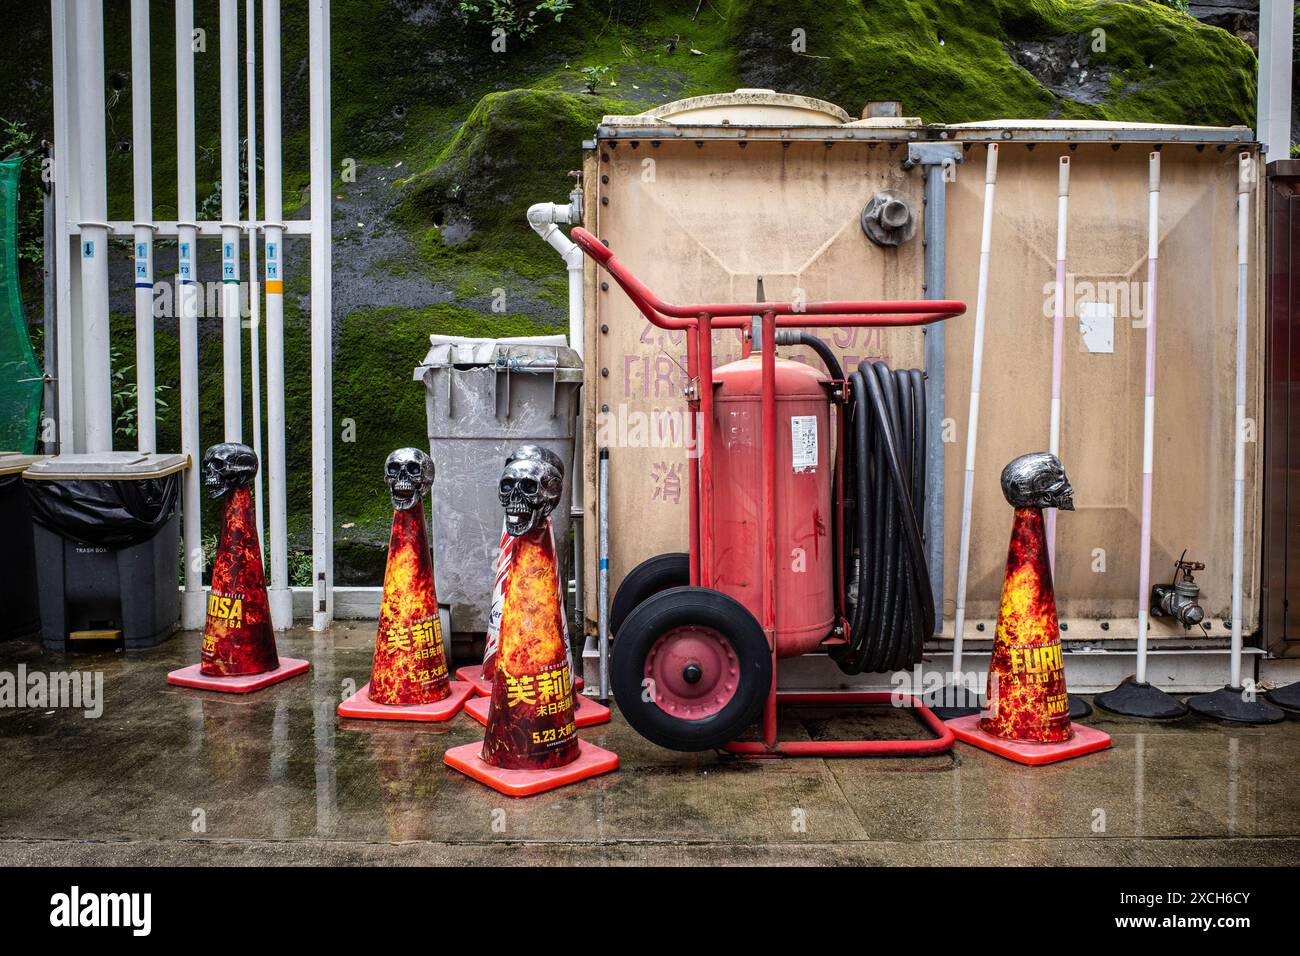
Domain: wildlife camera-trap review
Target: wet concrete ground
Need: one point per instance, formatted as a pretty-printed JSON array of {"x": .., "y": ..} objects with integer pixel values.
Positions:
[{"x": 168, "y": 775}]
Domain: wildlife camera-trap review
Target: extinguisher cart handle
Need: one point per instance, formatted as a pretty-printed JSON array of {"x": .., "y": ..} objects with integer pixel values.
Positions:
[{"x": 665, "y": 315}]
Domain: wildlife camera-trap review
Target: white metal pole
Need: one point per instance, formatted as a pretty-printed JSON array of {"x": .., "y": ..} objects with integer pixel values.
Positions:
[
  {"x": 231, "y": 320},
  {"x": 1149, "y": 415},
  {"x": 1245, "y": 184},
  {"x": 91, "y": 162},
  {"x": 1058, "y": 341},
  {"x": 187, "y": 312},
  {"x": 280, "y": 596},
  {"x": 972, "y": 415},
  {"x": 322, "y": 360},
  {"x": 64, "y": 198},
  {"x": 142, "y": 160},
  {"x": 254, "y": 286}
]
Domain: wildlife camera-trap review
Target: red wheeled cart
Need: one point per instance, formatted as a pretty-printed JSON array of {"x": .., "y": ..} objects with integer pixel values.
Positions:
[{"x": 698, "y": 635}]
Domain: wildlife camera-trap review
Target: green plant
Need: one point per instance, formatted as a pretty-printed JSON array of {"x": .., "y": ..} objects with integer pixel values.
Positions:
[
  {"x": 125, "y": 392},
  {"x": 299, "y": 569},
  {"x": 516, "y": 17},
  {"x": 1179, "y": 5},
  {"x": 19, "y": 142}
]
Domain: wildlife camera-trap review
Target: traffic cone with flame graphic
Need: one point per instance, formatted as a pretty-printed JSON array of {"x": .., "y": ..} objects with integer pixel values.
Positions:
[
  {"x": 531, "y": 742},
  {"x": 1028, "y": 716},
  {"x": 587, "y": 712},
  {"x": 238, "y": 653},
  {"x": 480, "y": 675},
  {"x": 408, "y": 678}
]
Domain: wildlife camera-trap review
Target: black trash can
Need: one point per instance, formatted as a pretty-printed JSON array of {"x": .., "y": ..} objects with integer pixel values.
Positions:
[
  {"x": 107, "y": 538},
  {"x": 22, "y": 611}
]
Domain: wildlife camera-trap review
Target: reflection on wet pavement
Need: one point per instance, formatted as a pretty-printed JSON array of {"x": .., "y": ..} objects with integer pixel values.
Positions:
[{"x": 174, "y": 775}]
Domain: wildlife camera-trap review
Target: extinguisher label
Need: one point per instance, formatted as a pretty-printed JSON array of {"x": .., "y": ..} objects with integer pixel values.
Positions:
[{"x": 803, "y": 443}]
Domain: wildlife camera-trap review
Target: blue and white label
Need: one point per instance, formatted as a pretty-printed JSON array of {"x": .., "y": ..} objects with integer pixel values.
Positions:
[
  {"x": 142, "y": 262},
  {"x": 229, "y": 270},
  {"x": 271, "y": 251},
  {"x": 183, "y": 265},
  {"x": 88, "y": 249},
  {"x": 272, "y": 261}
]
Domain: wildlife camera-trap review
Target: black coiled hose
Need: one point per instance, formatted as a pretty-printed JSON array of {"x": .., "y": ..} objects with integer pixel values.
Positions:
[{"x": 891, "y": 610}]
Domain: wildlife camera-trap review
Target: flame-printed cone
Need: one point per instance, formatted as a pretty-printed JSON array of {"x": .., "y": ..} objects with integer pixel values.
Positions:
[
  {"x": 410, "y": 664},
  {"x": 408, "y": 679},
  {"x": 238, "y": 639},
  {"x": 480, "y": 675},
  {"x": 1026, "y": 690},
  {"x": 530, "y": 723},
  {"x": 1029, "y": 713},
  {"x": 238, "y": 654},
  {"x": 531, "y": 741}
]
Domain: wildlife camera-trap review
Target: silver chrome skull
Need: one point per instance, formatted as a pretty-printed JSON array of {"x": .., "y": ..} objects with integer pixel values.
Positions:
[
  {"x": 409, "y": 475},
  {"x": 530, "y": 487},
  {"x": 1037, "y": 480},
  {"x": 226, "y": 467}
]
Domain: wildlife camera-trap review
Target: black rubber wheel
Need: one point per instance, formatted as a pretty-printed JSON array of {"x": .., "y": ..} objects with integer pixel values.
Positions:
[
  {"x": 651, "y": 576},
  {"x": 691, "y": 669}
]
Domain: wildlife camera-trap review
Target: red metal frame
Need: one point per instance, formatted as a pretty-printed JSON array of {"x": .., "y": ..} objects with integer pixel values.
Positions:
[{"x": 699, "y": 323}]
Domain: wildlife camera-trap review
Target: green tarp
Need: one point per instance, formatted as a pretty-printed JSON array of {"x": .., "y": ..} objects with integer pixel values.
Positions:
[{"x": 20, "y": 376}]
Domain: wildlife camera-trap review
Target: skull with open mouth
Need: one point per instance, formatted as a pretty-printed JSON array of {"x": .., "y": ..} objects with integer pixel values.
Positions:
[
  {"x": 530, "y": 487},
  {"x": 1037, "y": 480},
  {"x": 228, "y": 466},
  {"x": 409, "y": 475}
]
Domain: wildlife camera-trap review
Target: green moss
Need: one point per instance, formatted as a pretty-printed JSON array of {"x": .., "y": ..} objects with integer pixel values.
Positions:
[
  {"x": 948, "y": 60},
  {"x": 373, "y": 389},
  {"x": 513, "y": 150}
]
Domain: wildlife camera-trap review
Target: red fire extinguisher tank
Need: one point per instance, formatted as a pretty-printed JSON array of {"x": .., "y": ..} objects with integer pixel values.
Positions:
[{"x": 805, "y": 562}]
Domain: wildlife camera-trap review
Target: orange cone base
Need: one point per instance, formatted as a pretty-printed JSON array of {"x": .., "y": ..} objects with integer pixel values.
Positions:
[
  {"x": 592, "y": 761},
  {"x": 483, "y": 685},
  {"x": 586, "y": 712},
  {"x": 360, "y": 707},
  {"x": 244, "y": 684},
  {"x": 473, "y": 674},
  {"x": 1085, "y": 740}
]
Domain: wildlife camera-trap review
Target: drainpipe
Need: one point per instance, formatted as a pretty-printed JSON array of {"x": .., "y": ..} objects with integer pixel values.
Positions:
[
  {"x": 254, "y": 287},
  {"x": 543, "y": 217},
  {"x": 95, "y": 366},
  {"x": 936, "y": 159},
  {"x": 231, "y": 325},
  {"x": 193, "y": 610},
  {"x": 1058, "y": 341},
  {"x": 142, "y": 160},
  {"x": 973, "y": 413},
  {"x": 273, "y": 275}
]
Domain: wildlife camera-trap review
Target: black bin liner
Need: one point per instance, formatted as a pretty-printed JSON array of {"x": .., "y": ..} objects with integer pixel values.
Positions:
[{"x": 104, "y": 513}]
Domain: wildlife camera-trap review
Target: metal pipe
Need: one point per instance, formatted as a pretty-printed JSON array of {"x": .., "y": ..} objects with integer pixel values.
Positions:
[
  {"x": 64, "y": 206},
  {"x": 935, "y": 229},
  {"x": 602, "y": 582},
  {"x": 1245, "y": 184},
  {"x": 322, "y": 324},
  {"x": 973, "y": 412},
  {"x": 254, "y": 287},
  {"x": 50, "y": 356},
  {"x": 96, "y": 342},
  {"x": 704, "y": 452},
  {"x": 281, "y": 598},
  {"x": 1149, "y": 414},
  {"x": 1058, "y": 341},
  {"x": 193, "y": 610},
  {"x": 142, "y": 163},
  {"x": 231, "y": 320}
]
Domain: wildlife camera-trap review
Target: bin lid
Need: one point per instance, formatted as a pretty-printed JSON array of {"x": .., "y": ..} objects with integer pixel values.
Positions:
[
  {"x": 107, "y": 466},
  {"x": 524, "y": 354},
  {"x": 12, "y": 462}
]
